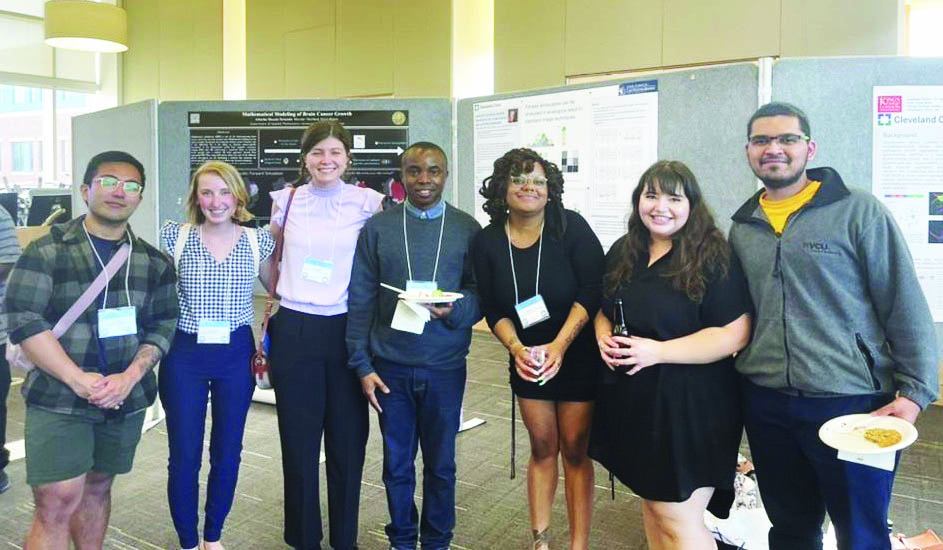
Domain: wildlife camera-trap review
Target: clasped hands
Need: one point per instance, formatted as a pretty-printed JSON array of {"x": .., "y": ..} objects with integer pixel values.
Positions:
[
  {"x": 105, "y": 392},
  {"x": 629, "y": 353}
]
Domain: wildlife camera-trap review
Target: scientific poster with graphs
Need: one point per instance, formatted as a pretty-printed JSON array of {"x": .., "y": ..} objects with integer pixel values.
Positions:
[
  {"x": 601, "y": 138},
  {"x": 266, "y": 147},
  {"x": 908, "y": 175}
]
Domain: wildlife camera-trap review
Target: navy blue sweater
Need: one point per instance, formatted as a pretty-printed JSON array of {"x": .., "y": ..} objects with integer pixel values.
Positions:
[{"x": 381, "y": 257}]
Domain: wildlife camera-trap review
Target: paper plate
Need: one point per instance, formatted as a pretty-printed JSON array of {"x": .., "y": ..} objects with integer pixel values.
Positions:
[
  {"x": 846, "y": 433},
  {"x": 422, "y": 297}
]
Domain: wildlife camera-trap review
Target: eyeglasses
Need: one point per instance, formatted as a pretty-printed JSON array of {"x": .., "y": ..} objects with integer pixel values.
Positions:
[
  {"x": 522, "y": 180},
  {"x": 785, "y": 140},
  {"x": 110, "y": 183}
]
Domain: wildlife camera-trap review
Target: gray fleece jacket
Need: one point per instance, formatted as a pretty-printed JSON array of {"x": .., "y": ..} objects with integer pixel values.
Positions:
[{"x": 839, "y": 309}]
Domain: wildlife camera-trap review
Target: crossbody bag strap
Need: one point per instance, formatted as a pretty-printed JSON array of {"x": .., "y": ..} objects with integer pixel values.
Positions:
[
  {"x": 182, "y": 236},
  {"x": 276, "y": 268},
  {"x": 253, "y": 237},
  {"x": 92, "y": 292}
]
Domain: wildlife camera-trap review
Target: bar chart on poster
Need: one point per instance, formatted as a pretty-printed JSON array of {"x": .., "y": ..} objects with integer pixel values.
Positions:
[
  {"x": 265, "y": 146},
  {"x": 600, "y": 138}
]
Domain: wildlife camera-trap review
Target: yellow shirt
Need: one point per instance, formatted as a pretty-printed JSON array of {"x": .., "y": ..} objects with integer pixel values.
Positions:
[{"x": 778, "y": 212}]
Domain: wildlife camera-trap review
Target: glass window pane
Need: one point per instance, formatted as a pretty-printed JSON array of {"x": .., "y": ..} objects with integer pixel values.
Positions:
[{"x": 22, "y": 156}]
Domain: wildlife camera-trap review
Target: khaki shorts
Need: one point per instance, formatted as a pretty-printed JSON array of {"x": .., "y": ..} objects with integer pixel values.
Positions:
[{"x": 64, "y": 446}]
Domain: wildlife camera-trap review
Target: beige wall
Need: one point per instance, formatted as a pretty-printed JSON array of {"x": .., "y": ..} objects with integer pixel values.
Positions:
[
  {"x": 344, "y": 48},
  {"x": 175, "y": 50},
  {"x": 540, "y": 43},
  {"x": 528, "y": 44}
]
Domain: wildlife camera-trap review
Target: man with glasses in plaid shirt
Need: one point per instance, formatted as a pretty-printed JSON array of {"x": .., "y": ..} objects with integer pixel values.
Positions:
[{"x": 86, "y": 398}]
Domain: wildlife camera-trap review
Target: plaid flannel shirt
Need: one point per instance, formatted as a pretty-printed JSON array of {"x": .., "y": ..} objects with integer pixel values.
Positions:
[{"x": 50, "y": 276}]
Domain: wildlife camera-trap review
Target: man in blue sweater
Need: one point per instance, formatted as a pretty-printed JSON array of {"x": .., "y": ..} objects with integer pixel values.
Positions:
[
  {"x": 414, "y": 375},
  {"x": 841, "y": 327}
]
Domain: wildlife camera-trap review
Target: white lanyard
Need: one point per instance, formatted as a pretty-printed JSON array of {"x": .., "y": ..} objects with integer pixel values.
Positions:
[
  {"x": 337, "y": 220},
  {"x": 127, "y": 271},
  {"x": 438, "y": 249},
  {"x": 540, "y": 247},
  {"x": 226, "y": 269}
]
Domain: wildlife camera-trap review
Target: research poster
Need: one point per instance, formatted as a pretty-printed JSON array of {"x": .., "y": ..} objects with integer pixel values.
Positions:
[
  {"x": 908, "y": 175},
  {"x": 602, "y": 139},
  {"x": 266, "y": 148}
]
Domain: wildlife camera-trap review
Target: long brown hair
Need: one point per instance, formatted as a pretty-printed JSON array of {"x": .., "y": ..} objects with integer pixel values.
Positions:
[{"x": 700, "y": 250}]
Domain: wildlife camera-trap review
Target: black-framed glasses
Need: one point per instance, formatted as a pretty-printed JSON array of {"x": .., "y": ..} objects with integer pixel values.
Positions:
[
  {"x": 535, "y": 181},
  {"x": 110, "y": 183},
  {"x": 785, "y": 140}
]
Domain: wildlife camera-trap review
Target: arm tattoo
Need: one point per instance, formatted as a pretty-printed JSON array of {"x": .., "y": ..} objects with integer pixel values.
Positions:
[
  {"x": 147, "y": 356},
  {"x": 574, "y": 332}
]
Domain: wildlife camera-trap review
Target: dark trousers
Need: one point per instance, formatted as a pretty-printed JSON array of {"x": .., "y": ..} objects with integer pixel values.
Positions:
[
  {"x": 188, "y": 374},
  {"x": 423, "y": 409},
  {"x": 315, "y": 392},
  {"x": 4, "y": 390},
  {"x": 800, "y": 477}
]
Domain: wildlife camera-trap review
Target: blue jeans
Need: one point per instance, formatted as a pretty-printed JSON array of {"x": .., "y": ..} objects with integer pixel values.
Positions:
[
  {"x": 423, "y": 409},
  {"x": 800, "y": 477},
  {"x": 188, "y": 374}
]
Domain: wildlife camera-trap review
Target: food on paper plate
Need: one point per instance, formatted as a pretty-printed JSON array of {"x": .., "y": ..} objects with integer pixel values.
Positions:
[
  {"x": 437, "y": 293},
  {"x": 883, "y": 437}
]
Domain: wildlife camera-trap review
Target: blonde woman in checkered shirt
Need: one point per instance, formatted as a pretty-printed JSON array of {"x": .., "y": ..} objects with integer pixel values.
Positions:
[{"x": 217, "y": 263}]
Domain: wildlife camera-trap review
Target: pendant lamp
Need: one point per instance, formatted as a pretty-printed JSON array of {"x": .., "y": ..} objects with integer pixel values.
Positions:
[{"x": 87, "y": 26}]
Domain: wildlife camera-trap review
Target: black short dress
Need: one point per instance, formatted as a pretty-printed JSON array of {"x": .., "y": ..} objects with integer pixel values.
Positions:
[
  {"x": 570, "y": 272},
  {"x": 670, "y": 428}
]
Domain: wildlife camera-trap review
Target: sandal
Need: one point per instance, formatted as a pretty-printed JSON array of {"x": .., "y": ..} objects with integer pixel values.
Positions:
[{"x": 541, "y": 539}]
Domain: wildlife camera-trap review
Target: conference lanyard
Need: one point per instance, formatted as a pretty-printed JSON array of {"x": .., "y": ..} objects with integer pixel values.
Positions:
[
  {"x": 116, "y": 321},
  {"x": 214, "y": 331},
  {"x": 533, "y": 310},
  {"x": 409, "y": 266}
]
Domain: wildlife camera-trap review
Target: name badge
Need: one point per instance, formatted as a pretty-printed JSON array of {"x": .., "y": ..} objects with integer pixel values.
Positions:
[
  {"x": 212, "y": 332},
  {"x": 532, "y": 311},
  {"x": 421, "y": 285},
  {"x": 317, "y": 271},
  {"x": 117, "y": 321}
]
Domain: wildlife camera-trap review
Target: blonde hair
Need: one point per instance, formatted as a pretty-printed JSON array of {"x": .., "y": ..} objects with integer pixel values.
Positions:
[{"x": 233, "y": 181}]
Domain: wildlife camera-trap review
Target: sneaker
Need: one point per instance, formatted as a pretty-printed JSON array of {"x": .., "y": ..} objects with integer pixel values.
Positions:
[{"x": 4, "y": 481}]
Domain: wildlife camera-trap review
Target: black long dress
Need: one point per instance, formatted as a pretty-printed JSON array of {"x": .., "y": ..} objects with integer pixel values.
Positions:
[
  {"x": 570, "y": 272},
  {"x": 672, "y": 428}
]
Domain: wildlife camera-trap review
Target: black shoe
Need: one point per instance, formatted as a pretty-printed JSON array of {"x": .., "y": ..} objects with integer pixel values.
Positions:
[{"x": 4, "y": 481}]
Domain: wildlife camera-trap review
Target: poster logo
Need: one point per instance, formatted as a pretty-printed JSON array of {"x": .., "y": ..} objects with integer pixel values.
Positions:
[
  {"x": 890, "y": 104},
  {"x": 884, "y": 119},
  {"x": 399, "y": 117}
]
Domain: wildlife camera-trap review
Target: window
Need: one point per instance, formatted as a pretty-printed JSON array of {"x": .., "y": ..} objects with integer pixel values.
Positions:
[{"x": 22, "y": 156}]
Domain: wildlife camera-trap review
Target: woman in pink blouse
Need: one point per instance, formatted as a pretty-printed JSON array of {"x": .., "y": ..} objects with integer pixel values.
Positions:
[{"x": 315, "y": 391}]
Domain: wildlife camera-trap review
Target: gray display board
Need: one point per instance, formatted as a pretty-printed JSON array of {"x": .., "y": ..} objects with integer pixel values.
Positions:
[
  {"x": 274, "y": 128},
  {"x": 836, "y": 94},
  {"x": 702, "y": 115},
  {"x": 130, "y": 128}
]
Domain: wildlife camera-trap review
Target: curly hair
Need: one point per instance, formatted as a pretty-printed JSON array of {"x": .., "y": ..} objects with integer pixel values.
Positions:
[
  {"x": 515, "y": 162},
  {"x": 700, "y": 250}
]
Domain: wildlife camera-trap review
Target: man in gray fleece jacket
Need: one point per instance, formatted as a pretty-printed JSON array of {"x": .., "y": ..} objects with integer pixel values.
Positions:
[
  {"x": 415, "y": 381},
  {"x": 841, "y": 327}
]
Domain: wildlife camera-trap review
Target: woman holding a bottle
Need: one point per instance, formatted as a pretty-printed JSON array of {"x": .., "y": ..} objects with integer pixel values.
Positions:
[
  {"x": 668, "y": 417},
  {"x": 539, "y": 271}
]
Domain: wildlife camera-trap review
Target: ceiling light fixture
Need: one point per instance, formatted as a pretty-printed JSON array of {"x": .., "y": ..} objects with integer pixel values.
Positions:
[{"x": 87, "y": 26}]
